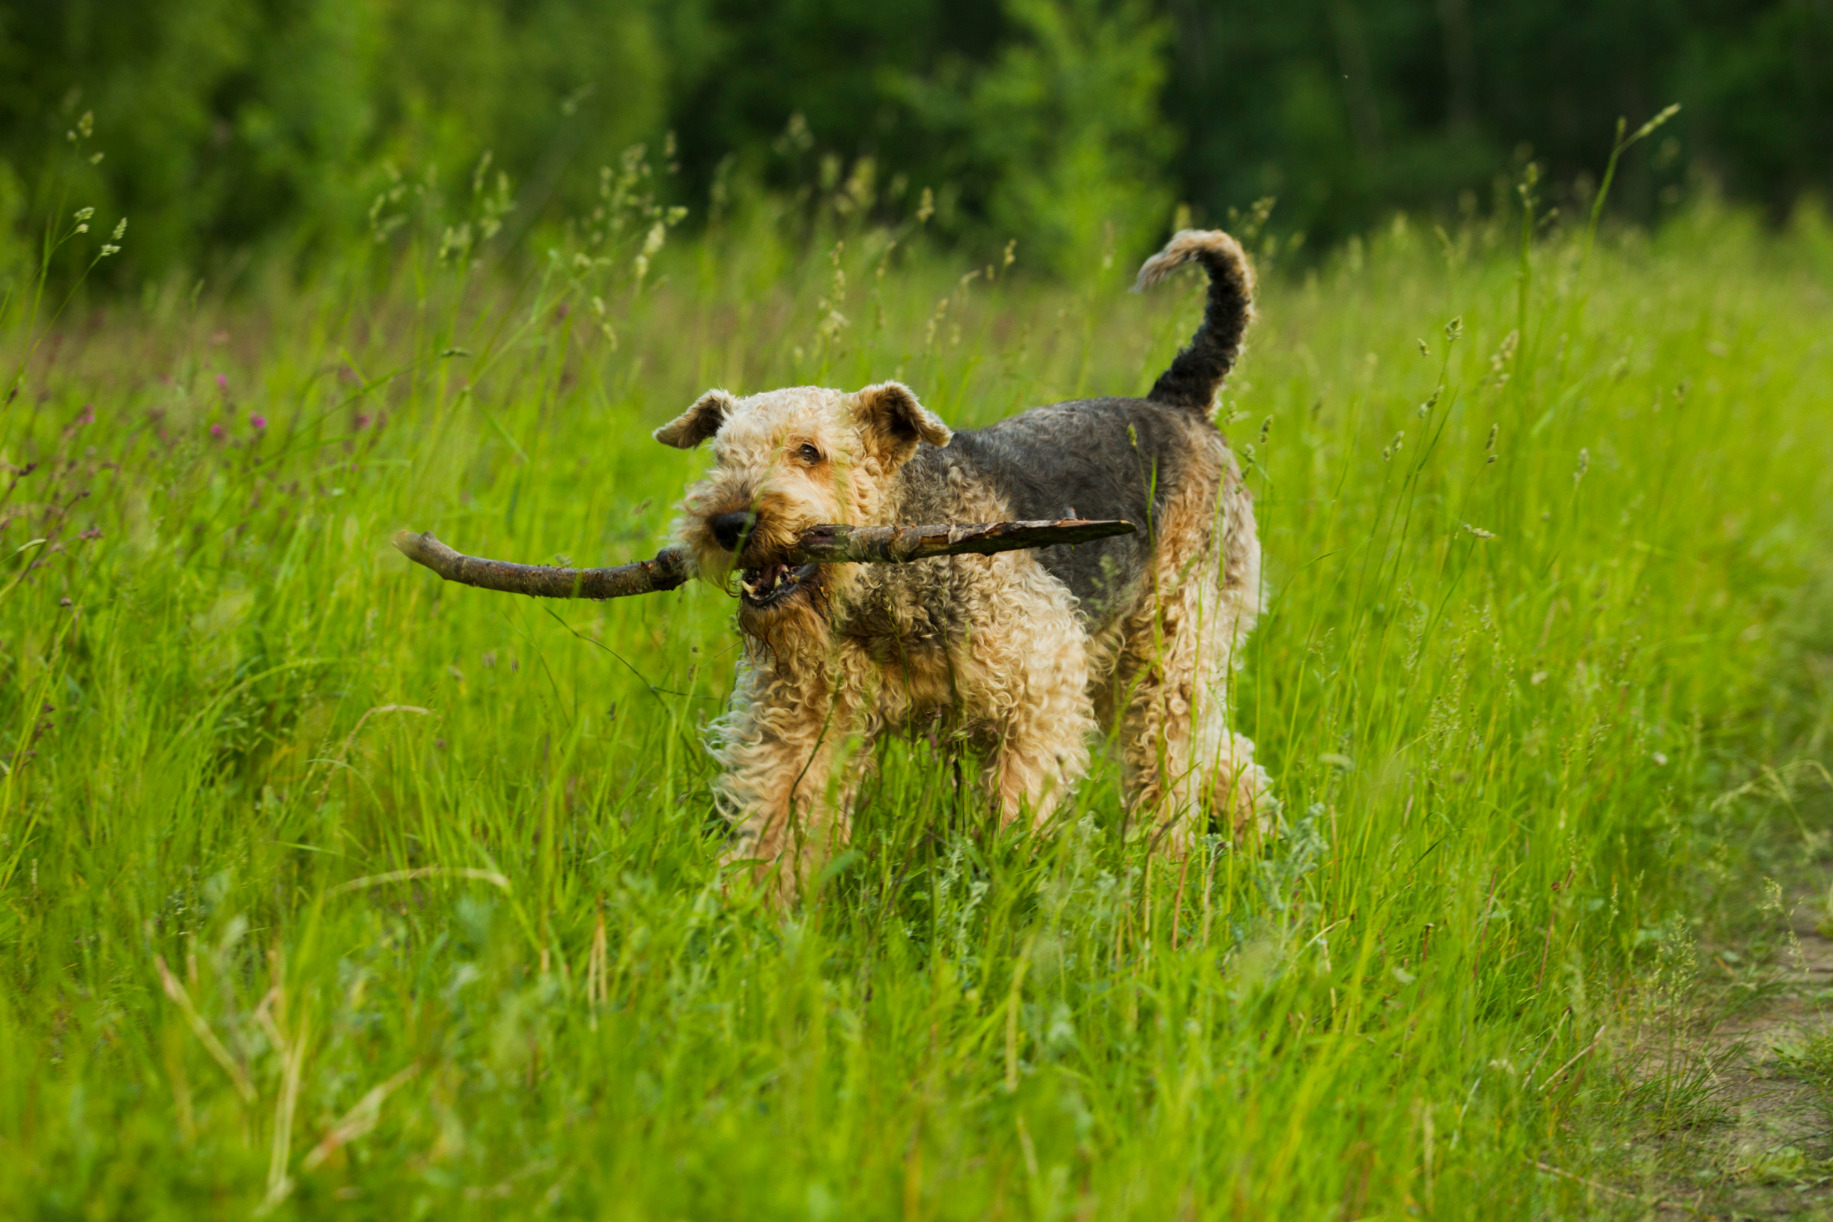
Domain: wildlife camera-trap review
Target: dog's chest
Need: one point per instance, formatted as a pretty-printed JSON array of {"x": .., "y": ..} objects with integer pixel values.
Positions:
[
  {"x": 889, "y": 608},
  {"x": 913, "y": 673}
]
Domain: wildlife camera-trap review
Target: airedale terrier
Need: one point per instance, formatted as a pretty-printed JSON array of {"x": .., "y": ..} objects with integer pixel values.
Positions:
[{"x": 1022, "y": 655}]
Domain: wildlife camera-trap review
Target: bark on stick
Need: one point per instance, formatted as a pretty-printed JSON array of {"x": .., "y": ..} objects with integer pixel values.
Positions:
[{"x": 673, "y": 566}]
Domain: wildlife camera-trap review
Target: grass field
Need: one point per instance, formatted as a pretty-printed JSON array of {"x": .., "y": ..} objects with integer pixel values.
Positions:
[{"x": 333, "y": 890}]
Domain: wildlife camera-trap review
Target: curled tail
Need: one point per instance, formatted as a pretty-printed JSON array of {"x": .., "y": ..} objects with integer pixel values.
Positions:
[{"x": 1198, "y": 371}]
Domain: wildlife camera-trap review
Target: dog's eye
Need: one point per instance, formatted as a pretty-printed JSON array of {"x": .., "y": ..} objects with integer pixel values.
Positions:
[{"x": 809, "y": 454}]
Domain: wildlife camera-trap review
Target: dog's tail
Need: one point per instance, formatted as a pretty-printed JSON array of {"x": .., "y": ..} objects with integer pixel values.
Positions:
[{"x": 1198, "y": 371}]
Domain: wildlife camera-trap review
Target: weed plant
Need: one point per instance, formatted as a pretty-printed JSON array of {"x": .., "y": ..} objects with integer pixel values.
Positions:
[{"x": 332, "y": 888}]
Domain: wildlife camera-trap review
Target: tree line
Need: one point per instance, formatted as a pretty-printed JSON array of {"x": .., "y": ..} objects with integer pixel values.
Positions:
[{"x": 272, "y": 127}]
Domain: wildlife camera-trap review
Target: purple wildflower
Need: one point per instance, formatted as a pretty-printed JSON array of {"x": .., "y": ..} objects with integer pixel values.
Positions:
[
  {"x": 257, "y": 421},
  {"x": 216, "y": 430}
]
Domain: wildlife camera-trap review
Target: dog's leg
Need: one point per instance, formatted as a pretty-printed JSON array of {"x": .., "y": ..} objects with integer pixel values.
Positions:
[
  {"x": 785, "y": 787},
  {"x": 1029, "y": 683},
  {"x": 1042, "y": 752},
  {"x": 1183, "y": 763}
]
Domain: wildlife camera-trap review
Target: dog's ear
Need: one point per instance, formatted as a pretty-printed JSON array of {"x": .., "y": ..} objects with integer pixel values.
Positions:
[
  {"x": 698, "y": 422},
  {"x": 893, "y": 422}
]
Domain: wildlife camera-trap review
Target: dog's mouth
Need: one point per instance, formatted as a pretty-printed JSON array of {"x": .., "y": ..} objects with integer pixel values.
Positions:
[{"x": 771, "y": 584}]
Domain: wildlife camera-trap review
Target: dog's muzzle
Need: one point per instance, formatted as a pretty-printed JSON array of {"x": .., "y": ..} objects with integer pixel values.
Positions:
[{"x": 767, "y": 584}]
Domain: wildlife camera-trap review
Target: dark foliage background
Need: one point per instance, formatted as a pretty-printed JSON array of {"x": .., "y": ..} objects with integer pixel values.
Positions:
[{"x": 270, "y": 127}]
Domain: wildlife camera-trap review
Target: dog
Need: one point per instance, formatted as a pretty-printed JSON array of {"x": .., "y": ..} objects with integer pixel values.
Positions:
[{"x": 1023, "y": 656}]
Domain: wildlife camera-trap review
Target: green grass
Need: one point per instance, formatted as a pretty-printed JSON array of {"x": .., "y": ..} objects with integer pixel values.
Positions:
[{"x": 236, "y": 718}]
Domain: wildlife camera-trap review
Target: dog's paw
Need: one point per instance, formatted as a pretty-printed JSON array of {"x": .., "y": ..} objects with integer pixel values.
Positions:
[
  {"x": 1232, "y": 798},
  {"x": 1252, "y": 812},
  {"x": 1242, "y": 798}
]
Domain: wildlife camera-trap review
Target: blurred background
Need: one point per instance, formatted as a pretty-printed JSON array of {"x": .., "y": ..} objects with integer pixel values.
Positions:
[{"x": 236, "y": 131}]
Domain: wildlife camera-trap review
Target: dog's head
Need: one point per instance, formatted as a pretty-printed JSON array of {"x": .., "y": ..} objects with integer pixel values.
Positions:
[{"x": 784, "y": 461}]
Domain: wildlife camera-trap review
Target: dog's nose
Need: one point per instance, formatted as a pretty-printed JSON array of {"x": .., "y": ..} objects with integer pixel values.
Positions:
[{"x": 731, "y": 529}]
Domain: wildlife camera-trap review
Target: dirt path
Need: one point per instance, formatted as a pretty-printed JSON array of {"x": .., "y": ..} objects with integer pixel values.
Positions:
[{"x": 1743, "y": 1112}]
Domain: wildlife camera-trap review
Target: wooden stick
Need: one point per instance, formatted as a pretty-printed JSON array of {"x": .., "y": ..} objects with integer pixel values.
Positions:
[{"x": 672, "y": 566}]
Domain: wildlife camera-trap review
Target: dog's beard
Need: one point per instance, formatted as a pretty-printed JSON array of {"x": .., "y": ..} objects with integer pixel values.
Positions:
[{"x": 792, "y": 629}]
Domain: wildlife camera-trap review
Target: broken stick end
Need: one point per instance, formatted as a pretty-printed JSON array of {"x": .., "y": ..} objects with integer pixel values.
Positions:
[{"x": 423, "y": 549}]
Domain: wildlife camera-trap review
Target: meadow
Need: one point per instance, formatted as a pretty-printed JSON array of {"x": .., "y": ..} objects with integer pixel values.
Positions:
[{"x": 332, "y": 889}]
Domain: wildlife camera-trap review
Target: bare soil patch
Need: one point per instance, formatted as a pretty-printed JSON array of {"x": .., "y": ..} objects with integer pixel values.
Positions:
[{"x": 1739, "y": 1107}]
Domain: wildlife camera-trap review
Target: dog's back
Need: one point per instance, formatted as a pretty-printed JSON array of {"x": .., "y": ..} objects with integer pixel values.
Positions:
[{"x": 1106, "y": 458}]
